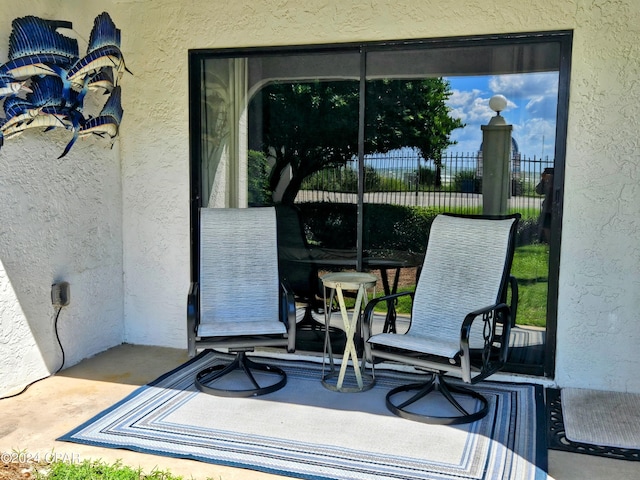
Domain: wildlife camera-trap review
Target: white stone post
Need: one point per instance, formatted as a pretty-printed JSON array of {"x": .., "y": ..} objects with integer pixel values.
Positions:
[{"x": 496, "y": 152}]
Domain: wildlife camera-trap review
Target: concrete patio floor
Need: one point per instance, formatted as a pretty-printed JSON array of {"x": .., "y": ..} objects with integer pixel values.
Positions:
[{"x": 31, "y": 422}]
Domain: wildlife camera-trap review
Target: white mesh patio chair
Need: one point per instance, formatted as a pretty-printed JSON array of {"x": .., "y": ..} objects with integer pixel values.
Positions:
[
  {"x": 238, "y": 302},
  {"x": 460, "y": 321}
]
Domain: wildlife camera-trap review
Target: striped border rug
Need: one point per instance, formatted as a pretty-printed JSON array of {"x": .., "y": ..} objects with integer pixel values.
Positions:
[{"x": 309, "y": 432}]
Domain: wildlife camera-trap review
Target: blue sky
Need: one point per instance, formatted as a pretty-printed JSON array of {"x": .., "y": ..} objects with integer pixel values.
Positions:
[{"x": 531, "y": 109}]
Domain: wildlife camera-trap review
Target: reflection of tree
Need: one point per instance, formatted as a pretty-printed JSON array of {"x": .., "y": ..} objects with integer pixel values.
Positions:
[
  {"x": 258, "y": 183},
  {"x": 312, "y": 126}
]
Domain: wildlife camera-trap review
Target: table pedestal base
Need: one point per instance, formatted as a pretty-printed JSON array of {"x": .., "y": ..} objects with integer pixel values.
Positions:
[{"x": 350, "y": 384}]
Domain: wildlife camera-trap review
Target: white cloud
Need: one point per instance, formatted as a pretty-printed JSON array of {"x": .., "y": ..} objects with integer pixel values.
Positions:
[
  {"x": 536, "y": 137},
  {"x": 525, "y": 85},
  {"x": 543, "y": 106},
  {"x": 532, "y": 104},
  {"x": 469, "y": 106},
  {"x": 535, "y": 93}
]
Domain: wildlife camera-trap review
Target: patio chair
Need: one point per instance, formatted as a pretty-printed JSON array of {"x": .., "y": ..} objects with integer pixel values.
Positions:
[
  {"x": 299, "y": 270},
  {"x": 460, "y": 321},
  {"x": 296, "y": 266},
  {"x": 239, "y": 303}
]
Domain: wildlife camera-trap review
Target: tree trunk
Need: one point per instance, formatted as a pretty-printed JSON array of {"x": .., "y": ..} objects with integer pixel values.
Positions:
[
  {"x": 438, "y": 179},
  {"x": 291, "y": 192}
]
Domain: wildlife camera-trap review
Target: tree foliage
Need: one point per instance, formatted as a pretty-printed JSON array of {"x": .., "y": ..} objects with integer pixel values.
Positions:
[
  {"x": 312, "y": 126},
  {"x": 258, "y": 184}
]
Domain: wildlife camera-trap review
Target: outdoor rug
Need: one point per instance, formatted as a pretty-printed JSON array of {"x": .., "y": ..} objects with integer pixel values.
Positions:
[
  {"x": 306, "y": 431},
  {"x": 592, "y": 422},
  {"x": 526, "y": 346}
]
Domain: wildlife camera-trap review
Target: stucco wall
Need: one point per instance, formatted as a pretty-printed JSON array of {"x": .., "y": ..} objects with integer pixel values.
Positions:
[
  {"x": 599, "y": 281},
  {"x": 61, "y": 220},
  {"x": 599, "y": 317}
]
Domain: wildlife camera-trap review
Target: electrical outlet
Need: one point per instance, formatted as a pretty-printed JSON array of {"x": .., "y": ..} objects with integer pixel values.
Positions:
[{"x": 60, "y": 294}]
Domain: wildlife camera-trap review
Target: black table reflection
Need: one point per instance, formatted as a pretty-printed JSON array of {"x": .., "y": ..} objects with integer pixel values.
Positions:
[{"x": 385, "y": 261}]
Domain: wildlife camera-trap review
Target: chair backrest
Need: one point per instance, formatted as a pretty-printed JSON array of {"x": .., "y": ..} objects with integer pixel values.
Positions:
[
  {"x": 300, "y": 276},
  {"x": 466, "y": 267},
  {"x": 238, "y": 265}
]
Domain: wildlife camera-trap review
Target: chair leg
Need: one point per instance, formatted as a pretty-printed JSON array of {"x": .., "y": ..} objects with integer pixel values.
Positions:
[
  {"x": 205, "y": 378},
  {"x": 438, "y": 384}
]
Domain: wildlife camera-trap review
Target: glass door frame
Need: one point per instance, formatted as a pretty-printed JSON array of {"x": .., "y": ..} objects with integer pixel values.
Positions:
[{"x": 564, "y": 39}]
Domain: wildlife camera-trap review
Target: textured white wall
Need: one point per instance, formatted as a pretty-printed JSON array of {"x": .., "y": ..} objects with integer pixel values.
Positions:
[
  {"x": 599, "y": 310},
  {"x": 598, "y": 321},
  {"x": 60, "y": 220}
]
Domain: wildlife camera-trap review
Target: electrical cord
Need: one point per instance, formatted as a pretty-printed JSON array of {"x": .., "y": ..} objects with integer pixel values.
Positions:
[{"x": 55, "y": 328}]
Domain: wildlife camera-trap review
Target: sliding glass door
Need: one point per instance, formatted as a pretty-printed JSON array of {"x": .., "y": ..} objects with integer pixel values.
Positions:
[{"x": 366, "y": 143}]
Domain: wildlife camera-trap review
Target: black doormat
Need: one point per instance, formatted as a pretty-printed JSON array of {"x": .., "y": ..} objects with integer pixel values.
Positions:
[{"x": 557, "y": 439}]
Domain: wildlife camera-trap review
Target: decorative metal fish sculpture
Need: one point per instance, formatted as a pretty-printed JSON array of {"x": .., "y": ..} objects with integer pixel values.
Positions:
[
  {"x": 103, "y": 52},
  {"x": 102, "y": 81},
  {"x": 108, "y": 122},
  {"x": 44, "y": 108},
  {"x": 9, "y": 87},
  {"x": 72, "y": 120},
  {"x": 46, "y": 91},
  {"x": 17, "y": 110},
  {"x": 37, "y": 48},
  {"x": 44, "y": 81}
]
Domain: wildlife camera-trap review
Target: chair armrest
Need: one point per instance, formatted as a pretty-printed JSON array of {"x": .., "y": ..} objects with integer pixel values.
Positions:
[
  {"x": 390, "y": 319},
  {"x": 496, "y": 330},
  {"x": 513, "y": 304},
  {"x": 367, "y": 318},
  {"x": 193, "y": 317},
  {"x": 288, "y": 315}
]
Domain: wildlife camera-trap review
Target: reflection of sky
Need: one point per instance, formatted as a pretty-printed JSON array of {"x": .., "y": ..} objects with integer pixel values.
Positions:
[{"x": 532, "y": 102}]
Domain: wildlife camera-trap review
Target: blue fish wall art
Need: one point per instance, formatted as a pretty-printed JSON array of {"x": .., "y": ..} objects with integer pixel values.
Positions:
[{"x": 45, "y": 80}]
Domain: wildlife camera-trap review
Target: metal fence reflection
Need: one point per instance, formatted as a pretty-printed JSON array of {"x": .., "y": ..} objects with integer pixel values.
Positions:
[{"x": 403, "y": 178}]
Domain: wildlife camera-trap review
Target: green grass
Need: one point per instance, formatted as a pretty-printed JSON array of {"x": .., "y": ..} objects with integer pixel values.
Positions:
[
  {"x": 531, "y": 268},
  {"x": 98, "y": 470}
]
